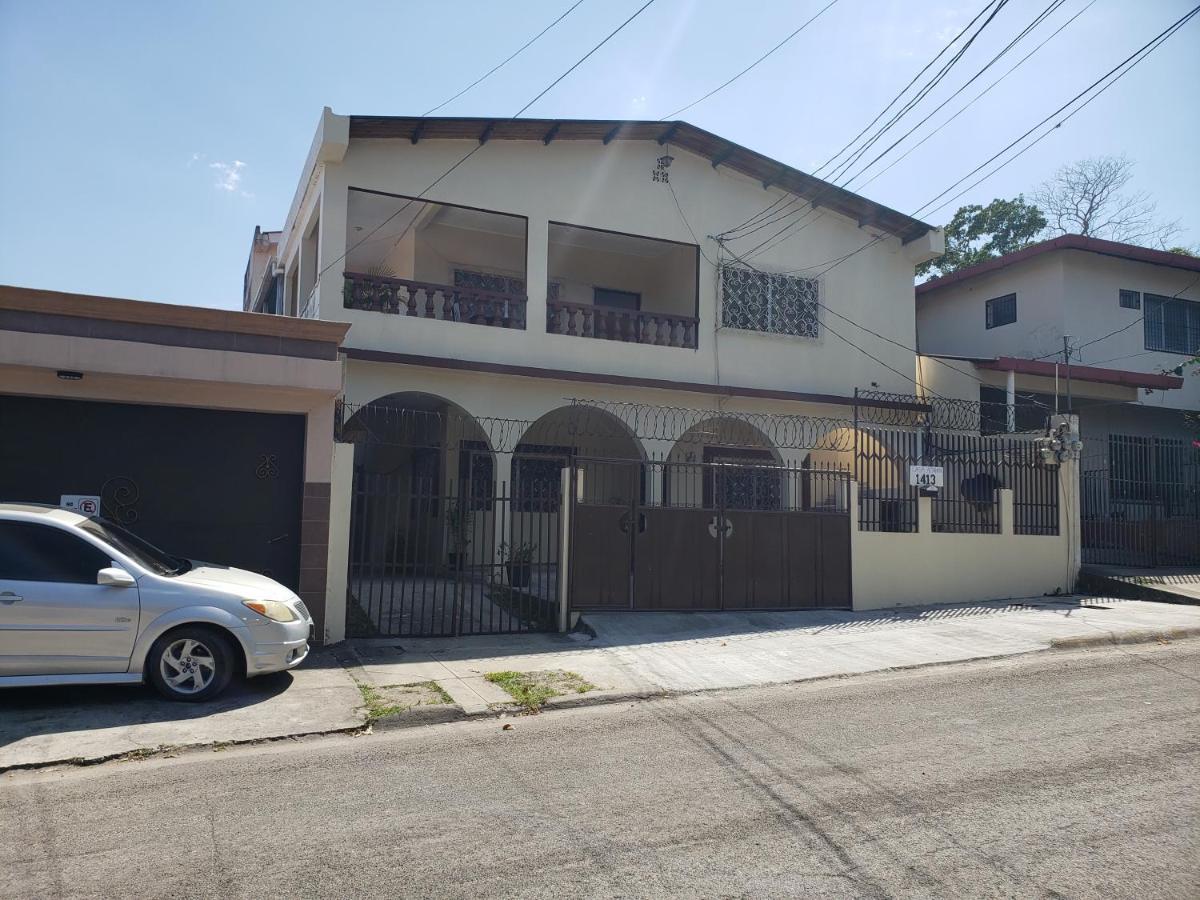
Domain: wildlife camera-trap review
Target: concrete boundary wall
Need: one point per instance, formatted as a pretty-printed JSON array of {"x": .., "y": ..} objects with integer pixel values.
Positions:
[{"x": 914, "y": 569}]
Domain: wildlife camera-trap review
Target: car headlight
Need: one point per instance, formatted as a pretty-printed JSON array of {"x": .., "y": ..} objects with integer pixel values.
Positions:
[{"x": 272, "y": 609}]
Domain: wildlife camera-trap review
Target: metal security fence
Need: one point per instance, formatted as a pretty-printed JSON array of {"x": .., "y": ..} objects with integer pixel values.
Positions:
[
  {"x": 975, "y": 469},
  {"x": 882, "y": 456},
  {"x": 428, "y": 558},
  {"x": 1140, "y": 501}
]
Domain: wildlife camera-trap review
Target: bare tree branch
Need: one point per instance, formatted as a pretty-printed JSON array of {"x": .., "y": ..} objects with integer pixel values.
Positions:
[{"x": 1085, "y": 198}]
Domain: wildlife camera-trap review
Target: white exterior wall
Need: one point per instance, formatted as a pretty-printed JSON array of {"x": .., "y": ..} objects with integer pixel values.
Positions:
[
  {"x": 1062, "y": 292},
  {"x": 610, "y": 187}
]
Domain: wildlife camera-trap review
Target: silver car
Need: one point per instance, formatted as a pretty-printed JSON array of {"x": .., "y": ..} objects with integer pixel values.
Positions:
[{"x": 84, "y": 601}]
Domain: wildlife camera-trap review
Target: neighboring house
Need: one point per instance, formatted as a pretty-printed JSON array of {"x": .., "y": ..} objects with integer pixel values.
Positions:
[
  {"x": 1132, "y": 317},
  {"x": 262, "y": 286},
  {"x": 528, "y": 295}
]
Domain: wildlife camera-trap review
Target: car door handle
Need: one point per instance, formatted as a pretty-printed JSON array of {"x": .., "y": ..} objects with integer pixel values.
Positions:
[{"x": 8, "y": 597}]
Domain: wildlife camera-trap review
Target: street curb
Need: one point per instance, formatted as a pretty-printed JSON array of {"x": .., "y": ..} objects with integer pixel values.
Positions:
[
  {"x": 1113, "y": 638},
  {"x": 416, "y": 716}
]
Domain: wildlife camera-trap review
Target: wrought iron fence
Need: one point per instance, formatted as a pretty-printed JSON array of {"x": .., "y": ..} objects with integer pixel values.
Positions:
[
  {"x": 886, "y": 501},
  {"x": 1140, "y": 501},
  {"x": 427, "y": 559},
  {"x": 974, "y": 467}
]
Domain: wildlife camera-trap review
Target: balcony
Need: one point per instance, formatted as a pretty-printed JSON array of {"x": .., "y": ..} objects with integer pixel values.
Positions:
[
  {"x": 419, "y": 259},
  {"x": 446, "y": 303},
  {"x": 611, "y": 324},
  {"x": 621, "y": 287},
  {"x": 411, "y": 257}
]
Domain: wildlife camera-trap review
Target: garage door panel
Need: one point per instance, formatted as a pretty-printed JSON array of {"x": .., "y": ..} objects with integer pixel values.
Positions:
[{"x": 215, "y": 485}]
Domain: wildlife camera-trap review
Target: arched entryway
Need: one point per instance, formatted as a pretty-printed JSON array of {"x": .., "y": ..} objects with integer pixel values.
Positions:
[
  {"x": 605, "y": 462},
  {"x": 426, "y": 523},
  {"x": 719, "y": 522}
]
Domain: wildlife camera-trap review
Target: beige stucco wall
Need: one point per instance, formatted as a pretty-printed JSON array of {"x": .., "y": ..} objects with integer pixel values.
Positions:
[
  {"x": 340, "y": 494},
  {"x": 922, "y": 568},
  {"x": 610, "y": 187}
]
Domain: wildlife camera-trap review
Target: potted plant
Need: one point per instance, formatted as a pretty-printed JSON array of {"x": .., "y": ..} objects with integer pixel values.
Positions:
[
  {"x": 460, "y": 521},
  {"x": 518, "y": 562}
]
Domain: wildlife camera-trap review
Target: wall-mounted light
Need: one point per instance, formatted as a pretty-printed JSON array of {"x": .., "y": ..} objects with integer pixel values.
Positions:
[{"x": 67, "y": 375}]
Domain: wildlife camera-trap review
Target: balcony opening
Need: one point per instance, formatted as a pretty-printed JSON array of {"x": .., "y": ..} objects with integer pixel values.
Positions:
[
  {"x": 622, "y": 287},
  {"x": 411, "y": 257}
]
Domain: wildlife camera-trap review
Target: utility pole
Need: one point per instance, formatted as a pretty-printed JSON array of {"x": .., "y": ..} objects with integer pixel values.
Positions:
[{"x": 1067, "y": 363}]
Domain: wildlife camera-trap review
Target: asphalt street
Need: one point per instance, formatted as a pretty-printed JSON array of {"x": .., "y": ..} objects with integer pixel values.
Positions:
[{"x": 1051, "y": 775}]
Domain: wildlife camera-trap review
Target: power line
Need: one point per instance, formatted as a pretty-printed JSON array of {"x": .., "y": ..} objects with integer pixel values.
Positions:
[
  {"x": 978, "y": 96},
  {"x": 1025, "y": 32},
  {"x": 916, "y": 99},
  {"x": 496, "y": 68},
  {"x": 480, "y": 146},
  {"x": 752, "y": 65},
  {"x": 916, "y": 77},
  {"x": 1129, "y": 325},
  {"x": 792, "y": 228},
  {"x": 1121, "y": 69}
]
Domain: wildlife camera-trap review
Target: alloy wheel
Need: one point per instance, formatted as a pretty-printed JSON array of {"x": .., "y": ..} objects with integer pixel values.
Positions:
[{"x": 187, "y": 666}]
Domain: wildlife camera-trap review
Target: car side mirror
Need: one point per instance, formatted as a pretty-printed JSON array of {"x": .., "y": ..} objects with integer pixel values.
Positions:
[{"x": 115, "y": 577}]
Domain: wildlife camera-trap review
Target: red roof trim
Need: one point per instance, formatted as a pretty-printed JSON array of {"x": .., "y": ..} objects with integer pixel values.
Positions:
[
  {"x": 1083, "y": 373},
  {"x": 1066, "y": 242}
]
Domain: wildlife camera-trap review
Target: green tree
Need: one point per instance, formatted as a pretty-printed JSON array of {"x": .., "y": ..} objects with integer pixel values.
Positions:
[{"x": 978, "y": 233}]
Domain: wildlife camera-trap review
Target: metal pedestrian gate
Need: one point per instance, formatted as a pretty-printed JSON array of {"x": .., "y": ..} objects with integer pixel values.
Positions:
[
  {"x": 1140, "y": 502},
  {"x": 429, "y": 558},
  {"x": 732, "y": 535}
]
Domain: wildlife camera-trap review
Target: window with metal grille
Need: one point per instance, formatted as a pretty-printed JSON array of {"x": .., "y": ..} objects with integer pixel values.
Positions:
[
  {"x": 769, "y": 302},
  {"x": 1001, "y": 310},
  {"x": 1131, "y": 299},
  {"x": 1171, "y": 324}
]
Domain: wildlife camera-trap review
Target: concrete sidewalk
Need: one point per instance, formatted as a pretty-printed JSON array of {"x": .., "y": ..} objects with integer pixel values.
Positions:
[
  {"x": 42, "y": 726},
  {"x": 656, "y": 653}
]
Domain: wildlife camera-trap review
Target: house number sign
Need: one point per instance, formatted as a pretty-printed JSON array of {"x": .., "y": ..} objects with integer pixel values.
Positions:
[{"x": 927, "y": 478}]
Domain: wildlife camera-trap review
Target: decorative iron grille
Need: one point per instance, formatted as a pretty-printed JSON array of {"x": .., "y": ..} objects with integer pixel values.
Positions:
[{"x": 769, "y": 302}]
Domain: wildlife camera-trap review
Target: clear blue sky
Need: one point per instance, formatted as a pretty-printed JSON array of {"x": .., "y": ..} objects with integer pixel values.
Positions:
[{"x": 143, "y": 141}]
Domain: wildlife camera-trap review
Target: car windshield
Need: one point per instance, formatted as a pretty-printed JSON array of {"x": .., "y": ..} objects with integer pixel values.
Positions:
[{"x": 134, "y": 547}]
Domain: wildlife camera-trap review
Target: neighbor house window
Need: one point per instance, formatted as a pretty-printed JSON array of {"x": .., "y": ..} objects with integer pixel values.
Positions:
[
  {"x": 1131, "y": 299},
  {"x": 1002, "y": 311},
  {"x": 1171, "y": 324},
  {"x": 770, "y": 302}
]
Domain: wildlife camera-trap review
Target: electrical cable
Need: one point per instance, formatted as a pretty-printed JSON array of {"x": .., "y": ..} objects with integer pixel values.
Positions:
[
  {"x": 480, "y": 146},
  {"x": 726, "y": 84},
  {"x": 499, "y": 66}
]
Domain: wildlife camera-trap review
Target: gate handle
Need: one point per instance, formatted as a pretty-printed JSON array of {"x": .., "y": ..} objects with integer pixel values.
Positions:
[
  {"x": 8, "y": 598},
  {"x": 623, "y": 523},
  {"x": 641, "y": 523}
]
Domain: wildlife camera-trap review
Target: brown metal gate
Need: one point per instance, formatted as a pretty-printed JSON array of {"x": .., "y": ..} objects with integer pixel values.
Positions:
[
  {"x": 1140, "y": 500},
  {"x": 741, "y": 533}
]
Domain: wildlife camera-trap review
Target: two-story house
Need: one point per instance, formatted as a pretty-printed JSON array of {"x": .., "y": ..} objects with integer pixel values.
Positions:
[
  {"x": 524, "y": 293},
  {"x": 1129, "y": 320}
]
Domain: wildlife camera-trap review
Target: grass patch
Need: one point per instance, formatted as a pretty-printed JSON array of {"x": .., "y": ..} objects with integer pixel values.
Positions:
[
  {"x": 393, "y": 699},
  {"x": 532, "y": 689}
]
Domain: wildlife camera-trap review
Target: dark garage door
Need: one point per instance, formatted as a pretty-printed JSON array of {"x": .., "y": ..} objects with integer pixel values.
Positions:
[{"x": 223, "y": 487}]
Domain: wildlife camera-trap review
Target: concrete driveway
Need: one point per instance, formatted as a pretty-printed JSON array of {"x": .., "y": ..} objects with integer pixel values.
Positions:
[{"x": 40, "y": 726}]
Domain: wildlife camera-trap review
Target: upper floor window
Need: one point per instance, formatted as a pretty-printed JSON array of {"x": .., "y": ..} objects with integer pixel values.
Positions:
[
  {"x": 1001, "y": 311},
  {"x": 770, "y": 302},
  {"x": 1171, "y": 324},
  {"x": 1131, "y": 299}
]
